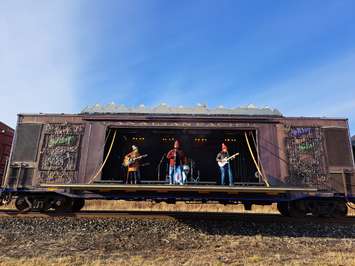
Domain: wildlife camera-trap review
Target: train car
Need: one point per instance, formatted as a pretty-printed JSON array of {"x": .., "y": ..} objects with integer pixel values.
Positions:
[
  {"x": 6, "y": 136},
  {"x": 305, "y": 165}
]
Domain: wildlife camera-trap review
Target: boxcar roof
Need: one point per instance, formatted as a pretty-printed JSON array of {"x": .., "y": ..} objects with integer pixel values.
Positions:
[
  {"x": 112, "y": 110},
  {"x": 164, "y": 109}
]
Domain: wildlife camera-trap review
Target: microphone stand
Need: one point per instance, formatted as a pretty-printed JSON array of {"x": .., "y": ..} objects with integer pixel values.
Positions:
[{"x": 159, "y": 165}]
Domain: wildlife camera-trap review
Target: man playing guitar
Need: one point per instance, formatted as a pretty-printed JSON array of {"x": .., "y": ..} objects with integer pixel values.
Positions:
[
  {"x": 131, "y": 160},
  {"x": 223, "y": 159}
]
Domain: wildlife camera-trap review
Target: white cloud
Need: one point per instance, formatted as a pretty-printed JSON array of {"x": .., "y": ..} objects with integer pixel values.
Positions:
[
  {"x": 38, "y": 57},
  {"x": 326, "y": 90}
]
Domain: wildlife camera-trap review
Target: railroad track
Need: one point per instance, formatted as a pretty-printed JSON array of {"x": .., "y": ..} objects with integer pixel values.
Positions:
[{"x": 248, "y": 217}]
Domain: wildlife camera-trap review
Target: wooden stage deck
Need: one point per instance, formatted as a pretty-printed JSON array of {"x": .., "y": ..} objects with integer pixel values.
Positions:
[{"x": 177, "y": 188}]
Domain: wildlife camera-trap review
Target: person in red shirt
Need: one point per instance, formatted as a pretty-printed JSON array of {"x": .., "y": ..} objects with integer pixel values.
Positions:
[{"x": 177, "y": 159}]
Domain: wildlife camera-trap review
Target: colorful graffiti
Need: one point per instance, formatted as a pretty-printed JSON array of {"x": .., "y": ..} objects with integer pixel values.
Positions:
[
  {"x": 68, "y": 140},
  {"x": 298, "y": 132},
  {"x": 60, "y": 152},
  {"x": 305, "y": 154}
]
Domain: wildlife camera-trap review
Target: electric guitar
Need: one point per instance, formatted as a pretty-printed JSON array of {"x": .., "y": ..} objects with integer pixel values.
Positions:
[
  {"x": 129, "y": 161},
  {"x": 225, "y": 160}
]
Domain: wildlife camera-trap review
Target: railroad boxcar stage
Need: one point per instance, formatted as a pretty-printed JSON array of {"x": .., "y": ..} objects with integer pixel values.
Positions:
[{"x": 58, "y": 161}]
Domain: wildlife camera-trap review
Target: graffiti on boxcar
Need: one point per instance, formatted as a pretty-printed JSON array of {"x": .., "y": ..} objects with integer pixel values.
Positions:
[
  {"x": 66, "y": 140},
  {"x": 305, "y": 154},
  {"x": 60, "y": 152},
  {"x": 298, "y": 132}
]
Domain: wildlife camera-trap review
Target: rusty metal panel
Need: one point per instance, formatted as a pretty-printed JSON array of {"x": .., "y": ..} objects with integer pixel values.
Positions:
[
  {"x": 95, "y": 151},
  {"x": 84, "y": 153},
  {"x": 60, "y": 153},
  {"x": 351, "y": 184},
  {"x": 338, "y": 147},
  {"x": 26, "y": 143},
  {"x": 342, "y": 182},
  {"x": 269, "y": 150}
]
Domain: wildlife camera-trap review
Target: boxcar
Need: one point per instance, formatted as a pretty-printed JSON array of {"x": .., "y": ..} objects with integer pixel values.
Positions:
[
  {"x": 305, "y": 165},
  {"x": 6, "y": 136}
]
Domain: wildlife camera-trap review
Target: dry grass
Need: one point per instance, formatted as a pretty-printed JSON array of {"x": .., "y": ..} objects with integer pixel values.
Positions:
[{"x": 326, "y": 258}]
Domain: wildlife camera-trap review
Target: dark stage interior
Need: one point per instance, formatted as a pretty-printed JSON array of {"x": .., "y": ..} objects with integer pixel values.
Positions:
[{"x": 200, "y": 146}]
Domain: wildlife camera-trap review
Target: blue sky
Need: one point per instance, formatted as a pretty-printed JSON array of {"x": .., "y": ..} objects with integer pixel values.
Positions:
[{"x": 296, "y": 56}]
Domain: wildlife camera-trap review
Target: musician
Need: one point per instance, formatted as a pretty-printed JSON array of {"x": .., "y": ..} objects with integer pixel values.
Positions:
[
  {"x": 133, "y": 171},
  {"x": 177, "y": 159},
  {"x": 225, "y": 169}
]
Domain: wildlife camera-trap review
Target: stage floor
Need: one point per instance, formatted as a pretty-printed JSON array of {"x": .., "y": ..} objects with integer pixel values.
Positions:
[{"x": 178, "y": 188}]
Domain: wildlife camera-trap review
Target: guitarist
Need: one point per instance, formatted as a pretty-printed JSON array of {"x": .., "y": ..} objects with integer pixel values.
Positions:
[
  {"x": 222, "y": 156},
  {"x": 133, "y": 172}
]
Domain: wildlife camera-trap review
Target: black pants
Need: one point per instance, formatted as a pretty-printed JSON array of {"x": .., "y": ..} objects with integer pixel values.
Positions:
[{"x": 133, "y": 177}]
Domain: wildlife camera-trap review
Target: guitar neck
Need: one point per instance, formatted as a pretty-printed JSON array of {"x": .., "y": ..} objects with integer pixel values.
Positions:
[{"x": 230, "y": 157}]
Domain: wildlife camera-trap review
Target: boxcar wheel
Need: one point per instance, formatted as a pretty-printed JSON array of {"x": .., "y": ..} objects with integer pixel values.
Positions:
[
  {"x": 315, "y": 209},
  {"x": 297, "y": 209},
  {"x": 63, "y": 204},
  {"x": 23, "y": 203},
  {"x": 42, "y": 204},
  {"x": 340, "y": 210},
  {"x": 78, "y": 204},
  {"x": 328, "y": 209},
  {"x": 282, "y": 207}
]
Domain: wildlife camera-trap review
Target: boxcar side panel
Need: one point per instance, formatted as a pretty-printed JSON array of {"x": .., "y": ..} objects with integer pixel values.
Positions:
[
  {"x": 95, "y": 152},
  {"x": 268, "y": 148}
]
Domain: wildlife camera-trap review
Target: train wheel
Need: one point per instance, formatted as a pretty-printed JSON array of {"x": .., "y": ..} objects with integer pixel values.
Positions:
[
  {"x": 23, "y": 204},
  {"x": 282, "y": 207},
  {"x": 297, "y": 209},
  {"x": 41, "y": 204},
  {"x": 328, "y": 208},
  {"x": 316, "y": 209},
  {"x": 340, "y": 210},
  {"x": 78, "y": 204},
  {"x": 62, "y": 204}
]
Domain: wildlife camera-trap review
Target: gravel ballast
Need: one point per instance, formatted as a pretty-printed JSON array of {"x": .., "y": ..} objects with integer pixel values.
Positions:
[{"x": 180, "y": 241}]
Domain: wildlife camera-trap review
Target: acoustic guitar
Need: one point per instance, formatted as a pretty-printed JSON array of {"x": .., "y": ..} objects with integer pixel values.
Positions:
[{"x": 129, "y": 161}]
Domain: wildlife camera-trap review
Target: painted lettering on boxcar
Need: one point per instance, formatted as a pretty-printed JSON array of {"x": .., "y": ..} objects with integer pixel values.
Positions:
[{"x": 299, "y": 132}]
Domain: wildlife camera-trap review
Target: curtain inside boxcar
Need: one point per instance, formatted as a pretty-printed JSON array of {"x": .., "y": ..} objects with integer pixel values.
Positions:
[{"x": 200, "y": 146}]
